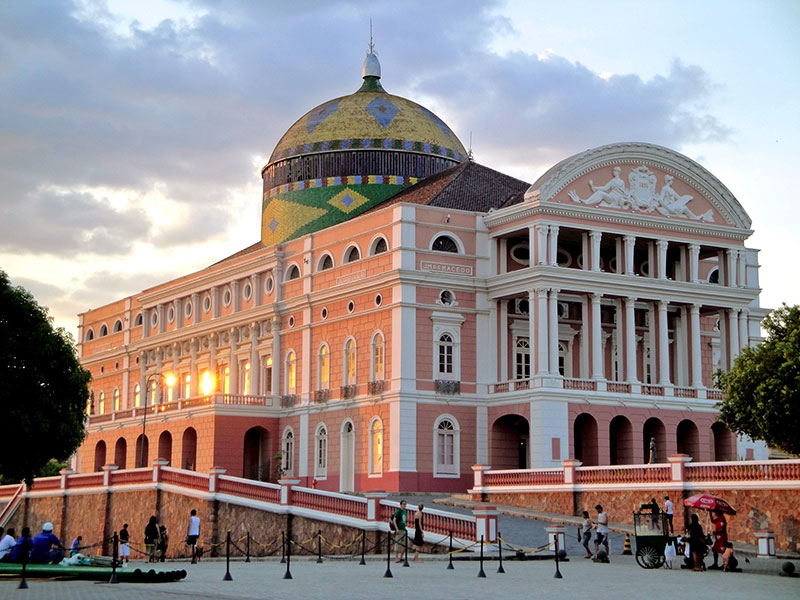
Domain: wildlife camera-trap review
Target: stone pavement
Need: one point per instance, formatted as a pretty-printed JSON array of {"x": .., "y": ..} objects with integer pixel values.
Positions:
[{"x": 263, "y": 579}]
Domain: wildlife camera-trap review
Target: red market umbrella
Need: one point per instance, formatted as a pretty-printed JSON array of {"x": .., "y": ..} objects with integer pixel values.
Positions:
[{"x": 709, "y": 502}]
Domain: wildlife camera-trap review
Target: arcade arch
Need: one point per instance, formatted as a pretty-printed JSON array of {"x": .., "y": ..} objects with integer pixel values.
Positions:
[{"x": 509, "y": 443}]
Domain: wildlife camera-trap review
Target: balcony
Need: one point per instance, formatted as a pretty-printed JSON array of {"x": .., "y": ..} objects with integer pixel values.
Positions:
[
  {"x": 348, "y": 392},
  {"x": 288, "y": 400},
  {"x": 376, "y": 387},
  {"x": 321, "y": 396},
  {"x": 447, "y": 386}
]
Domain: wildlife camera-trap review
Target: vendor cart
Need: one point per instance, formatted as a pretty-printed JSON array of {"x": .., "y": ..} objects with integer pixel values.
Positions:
[{"x": 651, "y": 530}]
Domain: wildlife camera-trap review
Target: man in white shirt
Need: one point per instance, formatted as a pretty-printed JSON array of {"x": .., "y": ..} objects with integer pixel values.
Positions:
[
  {"x": 669, "y": 509},
  {"x": 6, "y": 545},
  {"x": 193, "y": 533},
  {"x": 602, "y": 530}
]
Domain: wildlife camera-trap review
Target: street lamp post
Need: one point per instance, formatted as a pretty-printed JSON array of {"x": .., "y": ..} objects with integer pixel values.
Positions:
[{"x": 162, "y": 379}]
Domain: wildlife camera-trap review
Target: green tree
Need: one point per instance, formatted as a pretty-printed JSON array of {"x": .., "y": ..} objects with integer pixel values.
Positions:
[
  {"x": 762, "y": 390},
  {"x": 43, "y": 388}
]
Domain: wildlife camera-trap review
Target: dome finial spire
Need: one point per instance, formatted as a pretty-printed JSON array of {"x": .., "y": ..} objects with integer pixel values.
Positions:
[
  {"x": 371, "y": 45},
  {"x": 371, "y": 68}
]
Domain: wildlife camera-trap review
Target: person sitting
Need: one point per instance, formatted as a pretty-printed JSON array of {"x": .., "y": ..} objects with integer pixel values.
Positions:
[
  {"x": 729, "y": 562},
  {"x": 47, "y": 548},
  {"x": 22, "y": 549},
  {"x": 7, "y": 544}
]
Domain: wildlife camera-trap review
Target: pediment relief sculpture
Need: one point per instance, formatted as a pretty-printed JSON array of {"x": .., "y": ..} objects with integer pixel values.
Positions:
[{"x": 640, "y": 195}]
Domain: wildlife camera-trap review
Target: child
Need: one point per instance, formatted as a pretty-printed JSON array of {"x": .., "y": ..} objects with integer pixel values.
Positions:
[{"x": 729, "y": 562}]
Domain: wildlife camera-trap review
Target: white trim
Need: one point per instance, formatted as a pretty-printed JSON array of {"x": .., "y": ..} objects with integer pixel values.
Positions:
[
  {"x": 371, "y": 446},
  {"x": 347, "y": 251},
  {"x": 322, "y": 258},
  {"x": 456, "y": 434},
  {"x": 374, "y": 242},
  {"x": 452, "y": 236}
]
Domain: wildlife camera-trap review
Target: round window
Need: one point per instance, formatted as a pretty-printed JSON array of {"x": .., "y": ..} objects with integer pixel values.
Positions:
[
  {"x": 187, "y": 307},
  {"x": 171, "y": 314},
  {"x": 291, "y": 321},
  {"x": 269, "y": 284},
  {"x": 226, "y": 297},
  {"x": 446, "y": 297},
  {"x": 154, "y": 318},
  {"x": 247, "y": 291},
  {"x": 521, "y": 253},
  {"x": 324, "y": 313},
  {"x": 378, "y": 299},
  {"x": 351, "y": 306},
  {"x": 207, "y": 303},
  {"x": 564, "y": 258}
]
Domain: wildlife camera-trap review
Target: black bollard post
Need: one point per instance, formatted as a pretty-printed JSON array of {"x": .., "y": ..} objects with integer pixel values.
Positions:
[
  {"x": 228, "y": 558},
  {"x": 450, "y": 566},
  {"x": 114, "y": 551},
  {"x": 363, "y": 547},
  {"x": 283, "y": 547},
  {"x": 319, "y": 546},
  {"x": 500, "y": 569},
  {"x": 558, "y": 572},
  {"x": 23, "y": 584},
  {"x": 288, "y": 574},
  {"x": 405, "y": 543},
  {"x": 481, "y": 572},
  {"x": 247, "y": 559},
  {"x": 388, "y": 572}
]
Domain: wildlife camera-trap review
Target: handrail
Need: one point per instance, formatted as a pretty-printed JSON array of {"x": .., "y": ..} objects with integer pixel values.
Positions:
[{"x": 9, "y": 508}]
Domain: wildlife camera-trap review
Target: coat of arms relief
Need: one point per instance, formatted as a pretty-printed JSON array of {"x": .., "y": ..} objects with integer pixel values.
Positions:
[{"x": 641, "y": 195}]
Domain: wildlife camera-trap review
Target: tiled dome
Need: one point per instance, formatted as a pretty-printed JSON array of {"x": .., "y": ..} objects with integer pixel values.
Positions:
[{"x": 349, "y": 154}]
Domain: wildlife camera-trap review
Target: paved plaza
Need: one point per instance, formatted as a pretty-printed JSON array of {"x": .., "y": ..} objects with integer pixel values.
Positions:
[{"x": 428, "y": 579}]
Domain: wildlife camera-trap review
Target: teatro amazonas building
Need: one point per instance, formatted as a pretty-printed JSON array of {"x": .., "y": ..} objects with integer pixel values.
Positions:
[{"x": 409, "y": 313}]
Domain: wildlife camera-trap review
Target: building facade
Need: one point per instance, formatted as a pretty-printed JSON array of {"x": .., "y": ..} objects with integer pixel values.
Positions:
[{"x": 409, "y": 313}]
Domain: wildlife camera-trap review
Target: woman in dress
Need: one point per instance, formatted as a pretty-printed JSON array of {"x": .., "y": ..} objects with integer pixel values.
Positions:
[
  {"x": 586, "y": 533},
  {"x": 151, "y": 538},
  {"x": 720, "y": 536},
  {"x": 697, "y": 543},
  {"x": 418, "y": 532}
]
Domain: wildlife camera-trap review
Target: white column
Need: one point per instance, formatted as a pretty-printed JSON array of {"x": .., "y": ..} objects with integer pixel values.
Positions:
[
  {"x": 583, "y": 372},
  {"x": 595, "y": 236},
  {"x": 663, "y": 344},
  {"x": 258, "y": 293},
  {"x": 162, "y": 322},
  {"x": 541, "y": 331},
  {"x": 195, "y": 308},
  {"x": 541, "y": 245},
  {"x": 662, "y": 258},
  {"x": 553, "y": 245},
  {"x": 619, "y": 341},
  {"x": 733, "y": 317},
  {"x": 233, "y": 367},
  {"x": 744, "y": 337},
  {"x": 742, "y": 268},
  {"x": 159, "y": 386},
  {"x": 553, "y": 330},
  {"x": 277, "y": 360},
  {"x": 212, "y": 355},
  {"x": 732, "y": 256},
  {"x": 694, "y": 262},
  {"x": 178, "y": 308},
  {"x": 585, "y": 251},
  {"x": 503, "y": 334},
  {"x": 142, "y": 379},
  {"x": 532, "y": 325},
  {"x": 630, "y": 241},
  {"x": 193, "y": 375},
  {"x": 597, "y": 339},
  {"x": 724, "y": 352},
  {"x": 255, "y": 372},
  {"x": 630, "y": 340},
  {"x": 697, "y": 363}
]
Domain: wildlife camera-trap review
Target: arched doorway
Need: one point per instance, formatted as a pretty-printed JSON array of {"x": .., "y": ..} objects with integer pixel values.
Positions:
[
  {"x": 688, "y": 439},
  {"x": 620, "y": 438},
  {"x": 724, "y": 442},
  {"x": 256, "y": 454},
  {"x": 654, "y": 428},
  {"x": 165, "y": 447},
  {"x": 509, "y": 443},
  {"x": 189, "y": 449},
  {"x": 142, "y": 450},
  {"x": 348, "y": 457},
  {"x": 99, "y": 455},
  {"x": 584, "y": 439},
  {"x": 121, "y": 453}
]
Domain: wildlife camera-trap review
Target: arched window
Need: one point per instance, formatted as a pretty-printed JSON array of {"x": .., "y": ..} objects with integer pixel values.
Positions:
[
  {"x": 713, "y": 276},
  {"x": 321, "y": 454},
  {"x": 267, "y": 379},
  {"x": 562, "y": 359},
  {"x": 378, "y": 357},
  {"x": 445, "y": 354},
  {"x": 116, "y": 400},
  {"x": 287, "y": 453},
  {"x": 379, "y": 246},
  {"x": 326, "y": 263},
  {"x": 522, "y": 359},
  {"x": 117, "y": 326},
  {"x": 137, "y": 400},
  {"x": 101, "y": 403},
  {"x": 89, "y": 335},
  {"x": 352, "y": 255},
  {"x": 446, "y": 447},
  {"x": 444, "y": 243},
  {"x": 324, "y": 368},
  {"x": 376, "y": 447},
  {"x": 138, "y": 320},
  {"x": 350, "y": 362},
  {"x": 291, "y": 372},
  {"x": 103, "y": 330},
  {"x": 292, "y": 273}
]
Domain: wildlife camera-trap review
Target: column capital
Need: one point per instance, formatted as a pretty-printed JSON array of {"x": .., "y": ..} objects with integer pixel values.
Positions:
[
  {"x": 554, "y": 228},
  {"x": 745, "y": 312},
  {"x": 541, "y": 228},
  {"x": 542, "y": 290},
  {"x": 662, "y": 243},
  {"x": 694, "y": 247},
  {"x": 663, "y": 304},
  {"x": 595, "y": 234},
  {"x": 731, "y": 252},
  {"x": 733, "y": 311},
  {"x": 630, "y": 239},
  {"x": 630, "y": 299},
  {"x": 554, "y": 291},
  {"x": 695, "y": 308},
  {"x": 596, "y": 298}
]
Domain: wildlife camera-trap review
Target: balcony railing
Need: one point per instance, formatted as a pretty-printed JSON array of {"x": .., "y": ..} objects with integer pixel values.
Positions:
[
  {"x": 376, "y": 387},
  {"x": 348, "y": 392},
  {"x": 580, "y": 384},
  {"x": 447, "y": 386},
  {"x": 288, "y": 400},
  {"x": 321, "y": 396}
]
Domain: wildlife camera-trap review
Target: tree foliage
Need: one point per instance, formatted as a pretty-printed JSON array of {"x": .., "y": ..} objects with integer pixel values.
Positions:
[
  {"x": 43, "y": 388},
  {"x": 762, "y": 390}
]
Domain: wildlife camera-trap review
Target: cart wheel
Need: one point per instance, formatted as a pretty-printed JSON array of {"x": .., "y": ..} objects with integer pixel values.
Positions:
[{"x": 649, "y": 558}]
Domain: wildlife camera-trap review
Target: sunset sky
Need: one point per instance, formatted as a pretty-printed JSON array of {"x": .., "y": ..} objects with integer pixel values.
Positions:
[{"x": 132, "y": 133}]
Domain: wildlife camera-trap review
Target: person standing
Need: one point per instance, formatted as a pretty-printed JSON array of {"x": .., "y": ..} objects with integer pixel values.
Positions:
[
  {"x": 653, "y": 458},
  {"x": 586, "y": 533},
  {"x": 720, "y": 536},
  {"x": 697, "y": 542},
  {"x": 602, "y": 530},
  {"x": 669, "y": 509},
  {"x": 419, "y": 535},
  {"x": 151, "y": 538},
  {"x": 193, "y": 532},
  {"x": 124, "y": 544},
  {"x": 7, "y": 544},
  {"x": 401, "y": 537}
]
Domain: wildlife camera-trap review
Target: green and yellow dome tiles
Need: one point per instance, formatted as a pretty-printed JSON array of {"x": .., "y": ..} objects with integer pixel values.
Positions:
[{"x": 367, "y": 121}]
